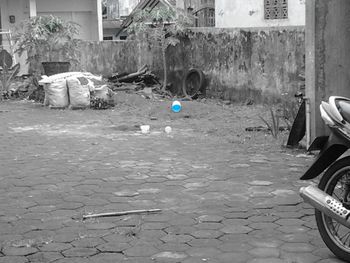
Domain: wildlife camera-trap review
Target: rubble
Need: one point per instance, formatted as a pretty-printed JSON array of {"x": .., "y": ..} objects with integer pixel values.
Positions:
[
  {"x": 141, "y": 78},
  {"x": 22, "y": 87},
  {"x": 100, "y": 91}
]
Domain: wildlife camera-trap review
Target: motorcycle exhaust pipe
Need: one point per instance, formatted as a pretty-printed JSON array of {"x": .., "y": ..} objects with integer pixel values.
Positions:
[{"x": 326, "y": 204}]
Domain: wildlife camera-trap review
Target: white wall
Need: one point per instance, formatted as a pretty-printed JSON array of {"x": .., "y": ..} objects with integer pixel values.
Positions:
[
  {"x": 250, "y": 13},
  {"x": 13, "y": 7},
  {"x": 81, "y": 11},
  {"x": 127, "y": 6},
  {"x": 84, "y": 12}
]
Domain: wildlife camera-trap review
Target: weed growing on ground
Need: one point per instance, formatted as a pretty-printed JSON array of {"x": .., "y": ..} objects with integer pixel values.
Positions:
[
  {"x": 272, "y": 125},
  {"x": 286, "y": 111}
]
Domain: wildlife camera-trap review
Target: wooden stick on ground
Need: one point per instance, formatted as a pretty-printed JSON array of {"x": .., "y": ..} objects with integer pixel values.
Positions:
[{"x": 122, "y": 213}]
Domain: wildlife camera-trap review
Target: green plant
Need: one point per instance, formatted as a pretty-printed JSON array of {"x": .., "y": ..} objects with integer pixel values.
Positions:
[
  {"x": 289, "y": 108},
  {"x": 273, "y": 126},
  {"x": 7, "y": 72},
  {"x": 46, "y": 38},
  {"x": 102, "y": 104},
  {"x": 162, "y": 26}
]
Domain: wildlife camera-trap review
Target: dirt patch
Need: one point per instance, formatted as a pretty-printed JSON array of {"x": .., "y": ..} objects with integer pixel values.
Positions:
[{"x": 208, "y": 118}]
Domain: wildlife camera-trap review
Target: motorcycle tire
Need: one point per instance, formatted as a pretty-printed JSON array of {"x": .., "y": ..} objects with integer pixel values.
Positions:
[{"x": 325, "y": 224}]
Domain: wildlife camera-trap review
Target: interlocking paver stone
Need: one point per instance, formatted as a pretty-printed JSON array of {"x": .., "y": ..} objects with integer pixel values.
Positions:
[
  {"x": 154, "y": 226},
  {"x": 209, "y": 226},
  {"x": 177, "y": 238},
  {"x": 226, "y": 195},
  {"x": 300, "y": 257},
  {"x": 207, "y": 234},
  {"x": 107, "y": 258},
  {"x": 236, "y": 229},
  {"x": 293, "y": 229},
  {"x": 323, "y": 253},
  {"x": 80, "y": 252},
  {"x": 87, "y": 242},
  {"x": 100, "y": 226},
  {"x": 205, "y": 242},
  {"x": 233, "y": 257},
  {"x": 52, "y": 247},
  {"x": 234, "y": 247},
  {"x": 19, "y": 251},
  {"x": 168, "y": 256},
  {"x": 296, "y": 238},
  {"x": 265, "y": 243},
  {"x": 265, "y": 252},
  {"x": 210, "y": 218},
  {"x": 290, "y": 222},
  {"x": 263, "y": 225},
  {"x": 179, "y": 247},
  {"x": 43, "y": 257},
  {"x": 266, "y": 260},
  {"x": 141, "y": 251},
  {"x": 198, "y": 260},
  {"x": 13, "y": 259},
  {"x": 297, "y": 247},
  {"x": 204, "y": 252}
]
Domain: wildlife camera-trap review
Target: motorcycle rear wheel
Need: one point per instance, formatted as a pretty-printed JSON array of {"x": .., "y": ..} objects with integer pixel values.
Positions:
[{"x": 335, "y": 235}]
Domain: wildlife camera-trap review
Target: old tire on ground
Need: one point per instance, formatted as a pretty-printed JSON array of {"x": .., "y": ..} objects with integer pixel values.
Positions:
[{"x": 194, "y": 83}]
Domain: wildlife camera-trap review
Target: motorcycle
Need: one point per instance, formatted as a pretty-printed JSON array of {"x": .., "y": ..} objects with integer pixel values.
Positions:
[{"x": 331, "y": 199}]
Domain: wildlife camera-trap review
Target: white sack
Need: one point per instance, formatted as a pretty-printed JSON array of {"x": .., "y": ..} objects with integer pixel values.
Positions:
[
  {"x": 79, "y": 95},
  {"x": 56, "y": 94}
]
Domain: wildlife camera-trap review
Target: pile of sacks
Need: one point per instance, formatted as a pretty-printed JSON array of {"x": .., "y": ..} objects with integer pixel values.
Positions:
[{"x": 74, "y": 90}]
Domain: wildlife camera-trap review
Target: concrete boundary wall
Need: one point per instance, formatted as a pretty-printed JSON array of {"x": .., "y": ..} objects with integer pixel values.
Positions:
[{"x": 255, "y": 64}]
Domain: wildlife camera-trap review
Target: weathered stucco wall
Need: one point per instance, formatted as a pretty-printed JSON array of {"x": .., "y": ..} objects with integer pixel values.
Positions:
[
  {"x": 239, "y": 65},
  {"x": 250, "y": 13},
  {"x": 328, "y": 55},
  {"x": 244, "y": 65},
  {"x": 108, "y": 57}
]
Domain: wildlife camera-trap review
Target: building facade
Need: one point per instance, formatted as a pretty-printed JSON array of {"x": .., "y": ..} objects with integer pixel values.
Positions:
[
  {"x": 113, "y": 13},
  {"x": 87, "y": 13},
  {"x": 84, "y": 12},
  {"x": 202, "y": 10},
  {"x": 259, "y": 13}
]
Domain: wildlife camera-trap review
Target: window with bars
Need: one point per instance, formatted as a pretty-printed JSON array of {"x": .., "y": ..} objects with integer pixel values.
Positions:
[
  {"x": 205, "y": 17},
  {"x": 110, "y": 9},
  {"x": 276, "y": 9}
]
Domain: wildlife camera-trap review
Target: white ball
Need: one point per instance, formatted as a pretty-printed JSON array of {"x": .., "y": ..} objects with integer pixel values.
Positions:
[{"x": 168, "y": 129}]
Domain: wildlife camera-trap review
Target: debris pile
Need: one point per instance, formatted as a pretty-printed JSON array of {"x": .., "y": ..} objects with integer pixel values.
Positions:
[
  {"x": 79, "y": 90},
  {"x": 21, "y": 87},
  {"x": 134, "y": 81}
]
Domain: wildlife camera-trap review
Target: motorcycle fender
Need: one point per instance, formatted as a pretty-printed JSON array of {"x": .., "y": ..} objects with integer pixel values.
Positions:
[
  {"x": 331, "y": 149},
  {"x": 318, "y": 143}
]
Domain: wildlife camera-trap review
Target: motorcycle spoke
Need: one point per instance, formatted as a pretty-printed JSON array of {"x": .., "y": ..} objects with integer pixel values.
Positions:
[
  {"x": 335, "y": 195},
  {"x": 345, "y": 242},
  {"x": 336, "y": 227}
]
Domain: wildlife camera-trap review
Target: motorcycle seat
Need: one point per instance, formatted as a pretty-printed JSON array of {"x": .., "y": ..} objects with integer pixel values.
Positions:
[{"x": 344, "y": 109}]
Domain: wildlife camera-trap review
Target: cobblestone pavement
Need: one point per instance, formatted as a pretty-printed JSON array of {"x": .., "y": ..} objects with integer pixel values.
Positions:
[{"x": 221, "y": 202}]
